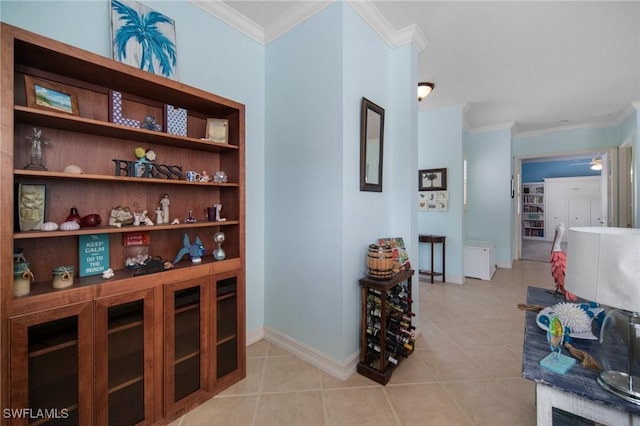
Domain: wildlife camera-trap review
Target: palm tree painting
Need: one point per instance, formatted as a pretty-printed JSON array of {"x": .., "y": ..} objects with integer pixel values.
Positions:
[{"x": 143, "y": 38}]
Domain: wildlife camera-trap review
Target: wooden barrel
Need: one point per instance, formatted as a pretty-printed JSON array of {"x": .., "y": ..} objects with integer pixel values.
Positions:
[{"x": 380, "y": 262}]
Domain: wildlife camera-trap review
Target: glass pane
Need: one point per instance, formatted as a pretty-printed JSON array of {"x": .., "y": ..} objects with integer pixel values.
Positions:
[
  {"x": 187, "y": 342},
  {"x": 126, "y": 363},
  {"x": 53, "y": 369}
]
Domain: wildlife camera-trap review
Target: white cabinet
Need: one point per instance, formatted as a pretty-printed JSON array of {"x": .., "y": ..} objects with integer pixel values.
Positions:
[
  {"x": 576, "y": 201},
  {"x": 479, "y": 259}
]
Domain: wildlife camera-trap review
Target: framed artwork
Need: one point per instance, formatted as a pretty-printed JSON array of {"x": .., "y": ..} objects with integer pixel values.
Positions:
[
  {"x": 143, "y": 38},
  {"x": 217, "y": 130},
  {"x": 48, "y": 95},
  {"x": 432, "y": 180},
  {"x": 433, "y": 201}
]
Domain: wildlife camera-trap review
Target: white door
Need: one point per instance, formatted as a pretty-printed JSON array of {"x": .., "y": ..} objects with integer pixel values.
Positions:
[
  {"x": 605, "y": 190},
  {"x": 556, "y": 212},
  {"x": 595, "y": 212},
  {"x": 579, "y": 212}
]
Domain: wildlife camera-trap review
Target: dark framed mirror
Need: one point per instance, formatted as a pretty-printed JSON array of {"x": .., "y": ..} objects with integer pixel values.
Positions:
[{"x": 371, "y": 146}]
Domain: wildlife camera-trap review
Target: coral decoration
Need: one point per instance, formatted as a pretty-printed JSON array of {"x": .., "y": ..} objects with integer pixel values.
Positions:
[{"x": 558, "y": 266}]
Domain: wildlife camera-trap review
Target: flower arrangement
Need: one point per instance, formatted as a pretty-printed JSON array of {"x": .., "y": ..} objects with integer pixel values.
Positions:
[{"x": 144, "y": 154}]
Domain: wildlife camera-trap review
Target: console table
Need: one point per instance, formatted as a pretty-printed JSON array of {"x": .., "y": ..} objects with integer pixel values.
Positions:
[
  {"x": 433, "y": 239},
  {"x": 577, "y": 391}
]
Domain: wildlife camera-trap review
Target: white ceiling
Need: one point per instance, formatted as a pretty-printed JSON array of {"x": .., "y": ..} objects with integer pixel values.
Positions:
[{"x": 540, "y": 64}]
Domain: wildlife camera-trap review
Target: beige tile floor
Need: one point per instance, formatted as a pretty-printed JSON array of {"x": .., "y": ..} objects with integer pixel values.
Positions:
[{"x": 465, "y": 370}]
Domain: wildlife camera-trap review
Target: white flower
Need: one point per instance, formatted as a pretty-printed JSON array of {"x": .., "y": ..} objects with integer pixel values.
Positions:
[{"x": 151, "y": 155}]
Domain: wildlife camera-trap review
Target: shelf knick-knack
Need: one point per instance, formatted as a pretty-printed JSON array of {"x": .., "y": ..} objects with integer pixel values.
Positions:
[
  {"x": 219, "y": 254},
  {"x": 37, "y": 140}
]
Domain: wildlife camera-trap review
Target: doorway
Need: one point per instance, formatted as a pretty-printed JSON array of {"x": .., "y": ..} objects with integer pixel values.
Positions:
[{"x": 538, "y": 247}]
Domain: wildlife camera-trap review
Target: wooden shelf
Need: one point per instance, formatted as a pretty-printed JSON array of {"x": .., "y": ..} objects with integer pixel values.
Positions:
[
  {"x": 115, "y": 179},
  {"x": 122, "y": 230},
  {"x": 60, "y": 121}
]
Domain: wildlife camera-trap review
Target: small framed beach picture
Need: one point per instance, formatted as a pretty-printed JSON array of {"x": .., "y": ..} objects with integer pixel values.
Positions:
[
  {"x": 217, "y": 130},
  {"x": 48, "y": 95}
]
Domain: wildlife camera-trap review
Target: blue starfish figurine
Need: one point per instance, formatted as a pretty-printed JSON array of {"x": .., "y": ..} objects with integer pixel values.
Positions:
[{"x": 195, "y": 250}]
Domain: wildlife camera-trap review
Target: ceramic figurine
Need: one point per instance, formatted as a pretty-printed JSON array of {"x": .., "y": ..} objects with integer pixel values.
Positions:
[
  {"x": 195, "y": 250},
  {"x": 218, "y": 210},
  {"x": 165, "y": 208},
  {"x": 150, "y": 123},
  {"x": 204, "y": 176},
  {"x": 121, "y": 216},
  {"x": 159, "y": 216}
]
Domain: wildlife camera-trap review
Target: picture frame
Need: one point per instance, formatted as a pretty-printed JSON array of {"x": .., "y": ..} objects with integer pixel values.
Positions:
[
  {"x": 433, "y": 201},
  {"x": 217, "y": 130},
  {"x": 48, "y": 95},
  {"x": 432, "y": 180},
  {"x": 143, "y": 38}
]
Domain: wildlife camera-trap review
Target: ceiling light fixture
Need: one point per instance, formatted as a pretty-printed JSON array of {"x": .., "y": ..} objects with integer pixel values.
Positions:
[
  {"x": 596, "y": 164},
  {"x": 424, "y": 89}
]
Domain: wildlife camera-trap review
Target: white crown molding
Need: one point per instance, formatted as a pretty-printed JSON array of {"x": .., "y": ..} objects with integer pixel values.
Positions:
[
  {"x": 531, "y": 133},
  {"x": 394, "y": 38},
  {"x": 494, "y": 127},
  {"x": 232, "y": 17},
  {"x": 305, "y": 10},
  {"x": 294, "y": 17}
]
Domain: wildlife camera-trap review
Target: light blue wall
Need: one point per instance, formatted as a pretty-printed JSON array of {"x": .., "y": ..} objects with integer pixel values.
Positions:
[
  {"x": 440, "y": 145},
  {"x": 489, "y": 201},
  {"x": 321, "y": 220},
  {"x": 566, "y": 141},
  {"x": 304, "y": 183},
  {"x": 234, "y": 69}
]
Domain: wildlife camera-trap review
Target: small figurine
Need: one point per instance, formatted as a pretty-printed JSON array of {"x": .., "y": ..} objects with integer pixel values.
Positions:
[
  {"x": 190, "y": 218},
  {"x": 142, "y": 218},
  {"x": 218, "y": 210},
  {"x": 158, "y": 216},
  {"x": 150, "y": 123},
  {"x": 204, "y": 176},
  {"x": 121, "y": 216},
  {"x": 165, "y": 208},
  {"x": 196, "y": 250},
  {"x": 108, "y": 274}
]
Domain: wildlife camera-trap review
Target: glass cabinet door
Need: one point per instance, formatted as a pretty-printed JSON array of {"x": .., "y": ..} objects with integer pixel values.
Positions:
[
  {"x": 227, "y": 328},
  {"x": 124, "y": 359},
  {"x": 50, "y": 366},
  {"x": 185, "y": 342}
]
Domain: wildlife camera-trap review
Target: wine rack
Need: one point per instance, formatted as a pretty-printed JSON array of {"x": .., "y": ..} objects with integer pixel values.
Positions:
[{"x": 387, "y": 333}]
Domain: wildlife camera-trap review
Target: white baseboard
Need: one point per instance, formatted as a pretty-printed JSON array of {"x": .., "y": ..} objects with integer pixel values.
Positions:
[
  {"x": 335, "y": 368},
  {"x": 505, "y": 265},
  {"x": 255, "y": 336}
]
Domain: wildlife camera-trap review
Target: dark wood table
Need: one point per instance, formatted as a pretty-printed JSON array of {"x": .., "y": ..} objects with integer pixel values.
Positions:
[
  {"x": 576, "y": 391},
  {"x": 433, "y": 239}
]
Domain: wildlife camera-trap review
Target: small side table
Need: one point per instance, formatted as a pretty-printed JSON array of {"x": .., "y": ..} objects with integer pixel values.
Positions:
[{"x": 433, "y": 239}]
